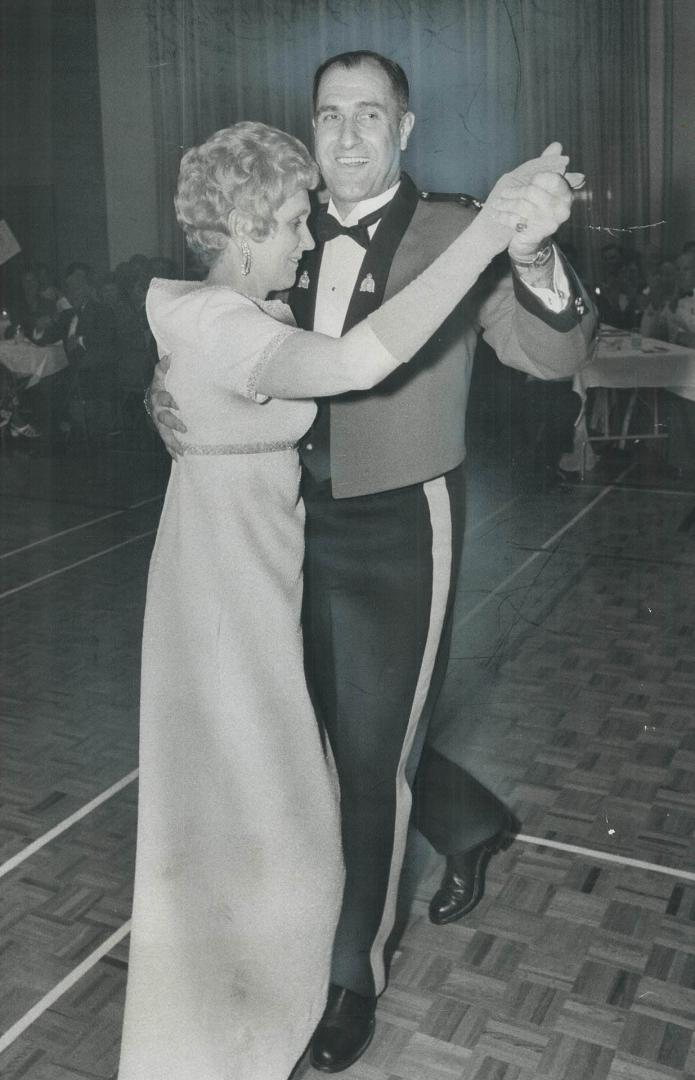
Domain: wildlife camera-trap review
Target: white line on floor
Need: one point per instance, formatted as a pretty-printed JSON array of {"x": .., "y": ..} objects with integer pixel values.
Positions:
[
  {"x": 74, "y": 976},
  {"x": 72, "y": 566},
  {"x": 609, "y": 856},
  {"x": 144, "y": 502},
  {"x": 62, "y": 987},
  {"x": 82, "y": 525},
  {"x": 478, "y": 525},
  {"x": 537, "y": 554},
  {"x": 62, "y": 826},
  {"x": 686, "y": 493},
  {"x": 63, "y": 532}
]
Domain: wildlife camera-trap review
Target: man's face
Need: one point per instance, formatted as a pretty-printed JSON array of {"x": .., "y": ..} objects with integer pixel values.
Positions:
[
  {"x": 359, "y": 133},
  {"x": 77, "y": 288},
  {"x": 612, "y": 259}
]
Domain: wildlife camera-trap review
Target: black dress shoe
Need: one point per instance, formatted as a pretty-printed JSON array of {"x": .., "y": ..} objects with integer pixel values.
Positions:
[
  {"x": 344, "y": 1032},
  {"x": 463, "y": 883}
]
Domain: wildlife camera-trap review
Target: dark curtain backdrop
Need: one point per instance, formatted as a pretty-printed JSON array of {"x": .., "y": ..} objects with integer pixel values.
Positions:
[{"x": 492, "y": 81}]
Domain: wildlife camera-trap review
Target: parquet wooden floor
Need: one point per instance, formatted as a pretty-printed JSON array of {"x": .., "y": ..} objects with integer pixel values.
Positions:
[{"x": 570, "y": 692}]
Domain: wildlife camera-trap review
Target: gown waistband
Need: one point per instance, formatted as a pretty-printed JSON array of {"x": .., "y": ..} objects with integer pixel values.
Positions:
[{"x": 216, "y": 449}]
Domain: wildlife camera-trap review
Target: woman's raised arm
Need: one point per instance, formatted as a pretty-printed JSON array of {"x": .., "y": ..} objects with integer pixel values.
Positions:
[{"x": 315, "y": 365}]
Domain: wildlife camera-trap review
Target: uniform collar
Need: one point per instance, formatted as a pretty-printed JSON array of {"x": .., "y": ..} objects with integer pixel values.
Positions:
[{"x": 367, "y": 206}]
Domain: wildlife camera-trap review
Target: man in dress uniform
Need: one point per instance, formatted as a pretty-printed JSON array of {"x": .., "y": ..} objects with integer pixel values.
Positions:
[{"x": 384, "y": 494}]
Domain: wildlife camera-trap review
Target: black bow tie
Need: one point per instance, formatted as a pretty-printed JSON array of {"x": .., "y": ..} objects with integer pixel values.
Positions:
[{"x": 328, "y": 227}]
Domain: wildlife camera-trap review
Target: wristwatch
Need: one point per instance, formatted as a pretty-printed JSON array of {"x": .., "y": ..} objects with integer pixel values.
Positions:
[
  {"x": 540, "y": 258},
  {"x": 147, "y": 402}
]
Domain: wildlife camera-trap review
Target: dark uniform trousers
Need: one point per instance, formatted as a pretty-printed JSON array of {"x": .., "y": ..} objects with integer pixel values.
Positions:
[
  {"x": 380, "y": 567},
  {"x": 379, "y": 579}
]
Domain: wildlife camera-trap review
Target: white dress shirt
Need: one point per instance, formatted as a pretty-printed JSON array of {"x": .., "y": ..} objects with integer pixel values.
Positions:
[{"x": 340, "y": 265}]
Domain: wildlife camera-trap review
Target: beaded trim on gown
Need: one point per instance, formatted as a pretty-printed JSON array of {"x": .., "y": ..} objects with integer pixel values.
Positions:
[{"x": 239, "y": 871}]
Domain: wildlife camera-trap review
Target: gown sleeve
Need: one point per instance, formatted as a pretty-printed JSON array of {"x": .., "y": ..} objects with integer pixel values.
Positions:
[
  {"x": 240, "y": 339},
  {"x": 231, "y": 335}
]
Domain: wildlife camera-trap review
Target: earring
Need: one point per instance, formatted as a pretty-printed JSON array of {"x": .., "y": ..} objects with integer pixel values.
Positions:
[{"x": 245, "y": 258}]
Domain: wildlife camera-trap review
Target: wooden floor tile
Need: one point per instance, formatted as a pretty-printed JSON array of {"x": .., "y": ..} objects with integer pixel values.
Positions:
[{"x": 571, "y": 693}]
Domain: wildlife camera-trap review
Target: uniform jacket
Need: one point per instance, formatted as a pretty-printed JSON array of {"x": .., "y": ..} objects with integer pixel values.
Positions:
[{"x": 411, "y": 427}]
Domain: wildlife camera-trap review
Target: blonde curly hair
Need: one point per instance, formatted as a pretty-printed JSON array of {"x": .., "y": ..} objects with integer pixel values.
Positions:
[{"x": 250, "y": 167}]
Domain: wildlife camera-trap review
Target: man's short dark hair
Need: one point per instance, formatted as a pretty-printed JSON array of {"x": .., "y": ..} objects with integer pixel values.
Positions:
[
  {"x": 394, "y": 72},
  {"x": 83, "y": 267}
]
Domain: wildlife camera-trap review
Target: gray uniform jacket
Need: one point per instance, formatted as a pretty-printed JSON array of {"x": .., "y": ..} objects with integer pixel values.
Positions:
[{"x": 411, "y": 427}]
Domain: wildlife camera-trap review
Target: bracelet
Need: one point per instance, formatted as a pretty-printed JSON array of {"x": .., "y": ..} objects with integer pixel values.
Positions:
[
  {"x": 541, "y": 257},
  {"x": 147, "y": 402}
]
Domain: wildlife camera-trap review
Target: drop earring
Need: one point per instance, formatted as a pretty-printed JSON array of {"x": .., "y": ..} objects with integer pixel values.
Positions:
[{"x": 245, "y": 258}]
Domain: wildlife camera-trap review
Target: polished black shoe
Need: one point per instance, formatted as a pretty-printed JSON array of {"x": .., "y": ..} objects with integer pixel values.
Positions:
[
  {"x": 344, "y": 1032},
  {"x": 463, "y": 883}
]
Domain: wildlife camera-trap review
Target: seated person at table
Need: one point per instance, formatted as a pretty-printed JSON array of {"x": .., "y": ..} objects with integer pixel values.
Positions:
[
  {"x": 680, "y": 320},
  {"x": 662, "y": 290},
  {"x": 40, "y": 305},
  {"x": 91, "y": 346},
  {"x": 607, "y": 288},
  {"x": 619, "y": 299},
  {"x": 681, "y": 312}
]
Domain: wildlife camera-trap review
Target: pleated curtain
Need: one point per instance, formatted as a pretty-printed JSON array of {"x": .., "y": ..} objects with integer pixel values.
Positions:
[{"x": 492, "y": 81}]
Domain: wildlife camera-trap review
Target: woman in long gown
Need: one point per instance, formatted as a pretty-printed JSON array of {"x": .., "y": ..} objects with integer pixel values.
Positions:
[{"x": 239, "y": 872}]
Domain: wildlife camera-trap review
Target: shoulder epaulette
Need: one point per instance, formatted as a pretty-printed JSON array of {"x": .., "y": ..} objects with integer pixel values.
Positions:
[{"x": 447, "y": 196}]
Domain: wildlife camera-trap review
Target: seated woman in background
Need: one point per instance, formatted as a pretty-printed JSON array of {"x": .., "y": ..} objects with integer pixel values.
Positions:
[
  {"x": 239, "y": 873},
  {"x": 662, "y": 294}
]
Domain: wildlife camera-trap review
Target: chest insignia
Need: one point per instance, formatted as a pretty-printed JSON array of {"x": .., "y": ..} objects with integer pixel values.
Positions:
[
  {"x": 303, "y": 282},
  {"x": 367, "y": 284}
]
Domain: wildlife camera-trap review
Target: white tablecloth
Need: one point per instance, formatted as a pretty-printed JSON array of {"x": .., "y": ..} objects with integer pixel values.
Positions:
[
  {"x": 619, "y": 363},
  {"x": 33, "y": 361}
]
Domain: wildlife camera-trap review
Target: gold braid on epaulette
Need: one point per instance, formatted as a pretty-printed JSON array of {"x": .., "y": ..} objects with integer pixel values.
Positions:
[{"x": 452, "y": 196}]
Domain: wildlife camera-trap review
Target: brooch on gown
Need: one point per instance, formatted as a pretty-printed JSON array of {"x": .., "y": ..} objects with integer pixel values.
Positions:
[
  {"x": 303, "y": 282},
  {"x": 367, "y": 284}
]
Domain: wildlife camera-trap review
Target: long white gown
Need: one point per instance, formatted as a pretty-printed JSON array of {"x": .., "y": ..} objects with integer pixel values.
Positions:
[{"x": 239, "y": 870}]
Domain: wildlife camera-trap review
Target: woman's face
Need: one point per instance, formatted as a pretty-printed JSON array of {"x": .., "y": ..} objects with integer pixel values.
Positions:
[{"x": 276, "y": 256}]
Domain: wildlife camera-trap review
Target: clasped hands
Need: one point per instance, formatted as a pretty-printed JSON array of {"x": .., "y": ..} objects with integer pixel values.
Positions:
[{"x": 532, "y": 201}]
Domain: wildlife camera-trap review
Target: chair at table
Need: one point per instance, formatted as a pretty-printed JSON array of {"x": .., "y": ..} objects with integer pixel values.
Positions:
[{"x": 611, "y": 420}]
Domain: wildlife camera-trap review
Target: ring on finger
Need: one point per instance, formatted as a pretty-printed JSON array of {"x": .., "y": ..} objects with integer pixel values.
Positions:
[{"x": 521, "y": 225}]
